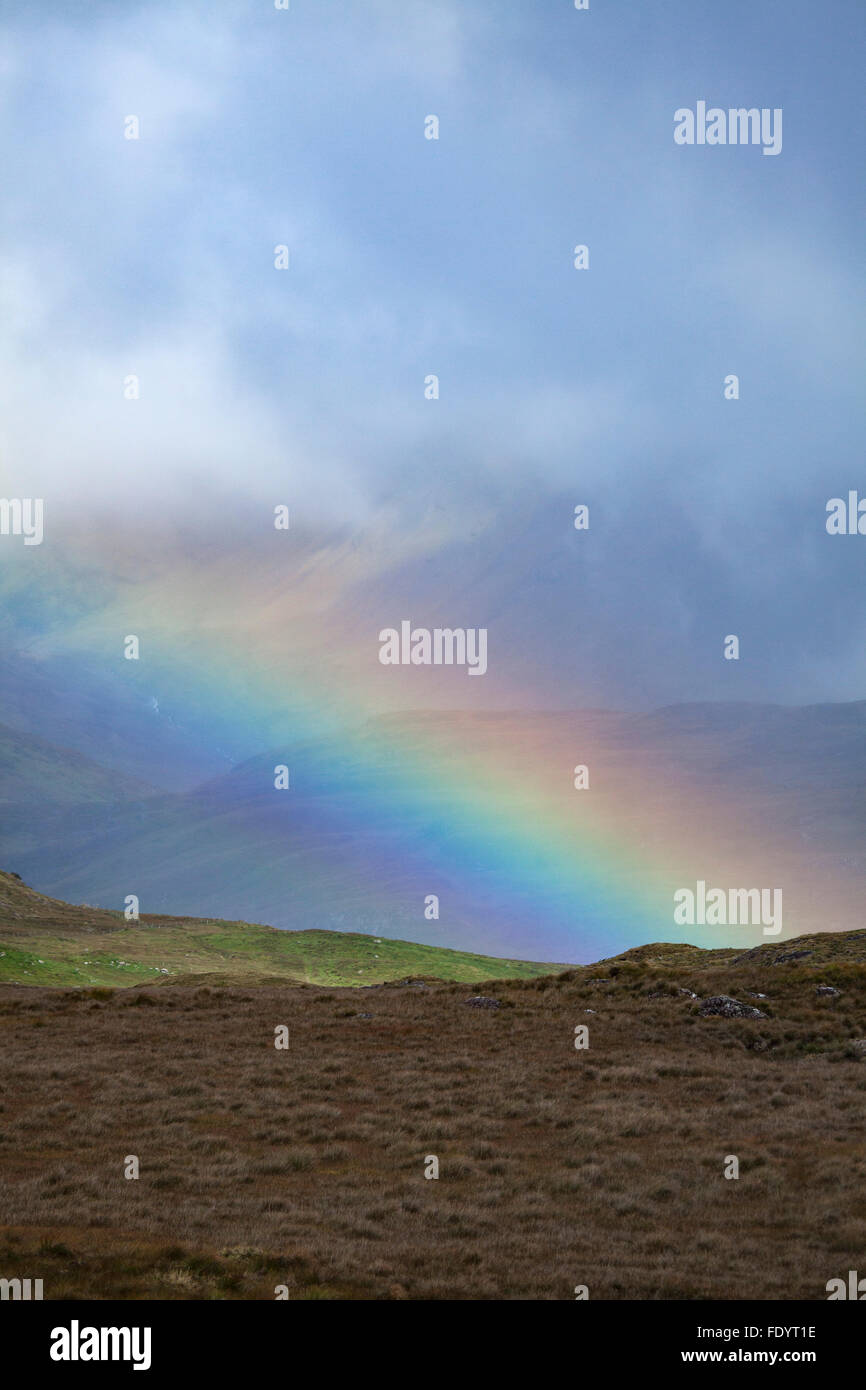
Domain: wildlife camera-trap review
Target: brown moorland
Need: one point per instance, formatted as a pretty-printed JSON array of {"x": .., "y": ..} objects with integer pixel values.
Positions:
[{"x": 304, "y": 1167}]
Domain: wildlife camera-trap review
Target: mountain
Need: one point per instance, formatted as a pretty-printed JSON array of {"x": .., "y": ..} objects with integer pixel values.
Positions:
[
  {"x": 36, "y": 773},
  {"x": 112, "y": 712}
]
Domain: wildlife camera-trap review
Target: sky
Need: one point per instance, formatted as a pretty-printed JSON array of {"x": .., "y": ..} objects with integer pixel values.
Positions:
[{"x": 305, "y": 128}]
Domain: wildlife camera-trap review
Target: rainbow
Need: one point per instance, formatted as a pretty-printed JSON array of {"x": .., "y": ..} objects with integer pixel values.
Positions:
[{"x": 476, "y": 806}]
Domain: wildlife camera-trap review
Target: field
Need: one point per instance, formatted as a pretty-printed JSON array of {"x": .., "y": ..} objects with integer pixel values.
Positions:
[{"x": 304, "y": 1167}]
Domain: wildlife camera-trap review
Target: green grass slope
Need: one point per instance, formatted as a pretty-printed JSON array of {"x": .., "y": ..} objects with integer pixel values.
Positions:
[{"x": 44, "y": 941}]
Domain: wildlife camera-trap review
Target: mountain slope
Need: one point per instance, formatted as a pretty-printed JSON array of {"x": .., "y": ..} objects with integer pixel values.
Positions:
[{"x": 33, "y": 772}]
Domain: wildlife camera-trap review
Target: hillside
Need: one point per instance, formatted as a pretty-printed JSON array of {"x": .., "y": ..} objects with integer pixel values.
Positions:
[
  {"x": 816, "y": 949},
  {"x": 44, "y": 941}
]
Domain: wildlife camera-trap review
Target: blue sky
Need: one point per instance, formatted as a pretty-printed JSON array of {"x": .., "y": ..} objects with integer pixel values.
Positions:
[{"x": 453, "y": 257}]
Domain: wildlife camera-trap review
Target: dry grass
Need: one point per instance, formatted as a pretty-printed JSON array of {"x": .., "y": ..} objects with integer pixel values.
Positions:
[{"x": 557, "y": 1167}]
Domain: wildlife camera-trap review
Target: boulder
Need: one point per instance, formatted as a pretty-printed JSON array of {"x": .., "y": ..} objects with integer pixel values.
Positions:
[
  {"x": 482, "y": 1001},
  {"x": 724, "y": 1006}
]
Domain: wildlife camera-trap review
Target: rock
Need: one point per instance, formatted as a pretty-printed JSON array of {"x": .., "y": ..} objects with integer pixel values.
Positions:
[
  {"x": 752, "y": 995},
  {"x": 482, "y": 1001},
  {"x": 726, "y": 1007},
  {"x": 363, "y": 1015},
  {"x": 859, "y": 1046},
  {"x": 827, "y": 989},
  {"x": 688, "y": 992},
  {"x": 589, "y": 1011},
  {"x": 791, "y": 955}
]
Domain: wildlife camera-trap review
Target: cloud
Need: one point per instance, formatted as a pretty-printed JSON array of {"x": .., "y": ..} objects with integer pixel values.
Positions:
[{"x": 410, "y": 257}]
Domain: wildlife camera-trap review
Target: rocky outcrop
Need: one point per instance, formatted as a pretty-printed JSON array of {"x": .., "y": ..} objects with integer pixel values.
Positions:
[{"x": 723, "y": 1006}]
